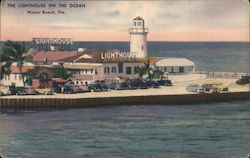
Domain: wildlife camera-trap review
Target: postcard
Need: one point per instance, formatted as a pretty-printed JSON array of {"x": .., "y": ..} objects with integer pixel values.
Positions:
[{"x": 143, "y": 78}]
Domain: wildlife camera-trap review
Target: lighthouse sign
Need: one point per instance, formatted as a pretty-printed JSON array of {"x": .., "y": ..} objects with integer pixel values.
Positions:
[{"x": 117, "y": 55}]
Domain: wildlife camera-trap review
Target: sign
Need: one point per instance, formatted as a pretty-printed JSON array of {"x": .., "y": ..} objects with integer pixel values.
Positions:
[
  {"x": 117, "y": 55},
  {"x": 53, "y": 41}
]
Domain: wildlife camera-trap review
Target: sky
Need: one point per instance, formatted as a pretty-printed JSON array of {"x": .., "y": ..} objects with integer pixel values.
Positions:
[{"x": 169, "y": 20}]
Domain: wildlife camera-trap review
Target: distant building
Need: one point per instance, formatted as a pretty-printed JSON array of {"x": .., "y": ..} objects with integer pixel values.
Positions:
[
  {"x": 175, "y": 65},
  {"x": 15, "y": 78},
  {"x": 138, "y": 38}
]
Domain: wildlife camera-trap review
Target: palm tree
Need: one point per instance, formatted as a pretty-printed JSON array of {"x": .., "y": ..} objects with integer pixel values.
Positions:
[
  {"x": 140, "y": 71},
  {"x": 60, "y": 72},
  {"x": 14, "y": 52},
  {"x": 149, "y": 70},
  {"x": 158, "y": 74}
]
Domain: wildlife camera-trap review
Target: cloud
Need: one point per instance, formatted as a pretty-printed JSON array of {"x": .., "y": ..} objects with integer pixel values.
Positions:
[{"x": 160, "y": 16}]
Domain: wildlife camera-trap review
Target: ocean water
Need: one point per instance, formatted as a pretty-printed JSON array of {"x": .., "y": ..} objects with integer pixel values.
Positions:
[
  {"x": 208, "y": 56},
  {"x": 218, "y": 130}
]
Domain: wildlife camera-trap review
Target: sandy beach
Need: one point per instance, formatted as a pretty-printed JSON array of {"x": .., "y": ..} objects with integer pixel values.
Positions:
[{"x": 177, "y": 88}]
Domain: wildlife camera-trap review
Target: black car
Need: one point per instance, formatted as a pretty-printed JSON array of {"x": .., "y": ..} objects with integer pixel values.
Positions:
[
  {"x": 138, "y": 84},
  {"x": 152, "y": 84},
  {"x": 17, "y": 90},
  {"x": 165, "y": 83},
  {"x": 243, "y": 80},
  {"x": 99, "y": 87},
  {"x": 119, "y": 86}
]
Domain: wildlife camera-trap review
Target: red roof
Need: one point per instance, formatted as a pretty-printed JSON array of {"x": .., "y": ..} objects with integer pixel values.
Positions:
[
  {"x": 52, "y": 56},
  {"x": 59, "y": 80}
]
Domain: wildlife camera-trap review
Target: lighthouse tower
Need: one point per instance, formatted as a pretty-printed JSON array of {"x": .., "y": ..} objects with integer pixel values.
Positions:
[{"x": 138, "y": 38}]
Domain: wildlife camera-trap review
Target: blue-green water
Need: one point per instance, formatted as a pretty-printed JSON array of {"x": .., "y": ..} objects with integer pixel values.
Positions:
[
  {"x": 202, "y": 130},
  {"x": 207, "y": 56}
]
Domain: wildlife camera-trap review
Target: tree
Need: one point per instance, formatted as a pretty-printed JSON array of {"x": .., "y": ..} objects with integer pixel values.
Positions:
[
  {"x": 60, "y": 72},
  {"x": 14, "y": 52},
  {"x": 140, "y": 71},
  {"x": 158, "y": 74}
]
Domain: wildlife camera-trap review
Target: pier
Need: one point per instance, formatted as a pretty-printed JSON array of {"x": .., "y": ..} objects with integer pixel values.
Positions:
[{"x": 50, "y": 102}]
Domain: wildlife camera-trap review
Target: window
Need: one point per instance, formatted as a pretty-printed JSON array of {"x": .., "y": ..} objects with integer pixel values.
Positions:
[
  {"x": 120, "y": 67},
  {"x": 15, "y": 76},
  {"x": 91, "y": 71},
  {"x": 141, "y": 47},
  {"x": 134, "y": 23},
  {"x": 113, "y": 70},
  {"x": 136, "y": 68},
  {"x": 139, "y": 23},
  {"x": 165, "y": 69},
  {"x": 95, "y": 71},
  {"x": 106, "y": 70},
  {"x": 181, "y": 69},
  {"x": 128, "y": 70},
  {"x": 20, "y": 77},
  {"x": 8, "y": 77}
]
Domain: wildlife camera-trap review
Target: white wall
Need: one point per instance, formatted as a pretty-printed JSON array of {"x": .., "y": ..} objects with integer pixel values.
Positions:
[
  {"x": 13, "y": 78},
  {"x": 136, "y": 43}
]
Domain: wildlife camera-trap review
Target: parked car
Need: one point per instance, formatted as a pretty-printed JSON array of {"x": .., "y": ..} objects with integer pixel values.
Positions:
[
  {"x": 21, "y": 91},
  {"x": 138, "y": 84},
  {"x": 152, "y": 84},
  {"x": 1, "y": 93},
  {"x": 99, "y": 87},
  {"x": 4, "y": 90},
  {"x": 207, "y": 86},
  {"x": 30, "y": 91},
  {"x": 45, "y": 91},
  {"x": 201, "y": 90},
  {"x": 165, "y": 82},
  {"x": 243, "y": 80},
  {"x": 71, "y": 89},
  {"x": 193, "y": 87},
  {"x": 220, "y": 86},
  {"x": 119, "y": 86},
  {"x": 85, "y": 88}
]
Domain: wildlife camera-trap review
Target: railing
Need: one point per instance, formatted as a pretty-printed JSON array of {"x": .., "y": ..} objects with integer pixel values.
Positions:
[
  {"x": 223, "y": 74},
  {"x": 211, "y": 74},
  {"x": 83, "y": 77},
  {"x": 138, "y": 30}
]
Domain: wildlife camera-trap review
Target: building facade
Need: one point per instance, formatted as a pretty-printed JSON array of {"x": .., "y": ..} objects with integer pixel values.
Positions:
[{"x": 101, "y": 65}]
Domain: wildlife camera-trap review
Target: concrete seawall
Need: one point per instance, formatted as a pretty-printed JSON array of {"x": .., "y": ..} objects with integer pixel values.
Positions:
[{"x": 25, "y": 103}]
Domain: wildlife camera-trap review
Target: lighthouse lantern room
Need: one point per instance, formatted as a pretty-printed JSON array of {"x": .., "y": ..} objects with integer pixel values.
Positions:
[{"x": 138, "y": 38}]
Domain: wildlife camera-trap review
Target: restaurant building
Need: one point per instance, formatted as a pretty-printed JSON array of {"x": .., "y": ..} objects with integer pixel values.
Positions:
[{"x": 101, "y": 65}]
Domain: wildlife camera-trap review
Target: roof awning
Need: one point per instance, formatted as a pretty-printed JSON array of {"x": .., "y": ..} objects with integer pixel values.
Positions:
[
  {"x": 59, "y": 80},
  {"x": 171, "y": 62}
]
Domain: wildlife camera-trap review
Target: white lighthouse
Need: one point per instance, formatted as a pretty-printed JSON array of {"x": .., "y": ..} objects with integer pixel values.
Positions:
[{"x": 138, "y": 38}]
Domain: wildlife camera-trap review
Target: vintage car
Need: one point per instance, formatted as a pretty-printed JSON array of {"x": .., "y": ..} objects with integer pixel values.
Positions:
[
  {"x": 220, "y": 86},
  {"x": 165, "y": 82},
  {"x": 243, "y": 80},
  {"x": 45, "y": 91},
  {"x": 193, "y": 87},
  {"x": 4, "y": 90}
]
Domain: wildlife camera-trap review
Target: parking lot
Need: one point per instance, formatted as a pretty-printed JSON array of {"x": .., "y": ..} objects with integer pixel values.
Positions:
[{"x": 177, "y": 88}]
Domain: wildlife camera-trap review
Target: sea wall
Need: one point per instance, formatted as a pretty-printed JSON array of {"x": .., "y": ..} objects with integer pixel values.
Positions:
[{"x": 23, "y": 103}]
